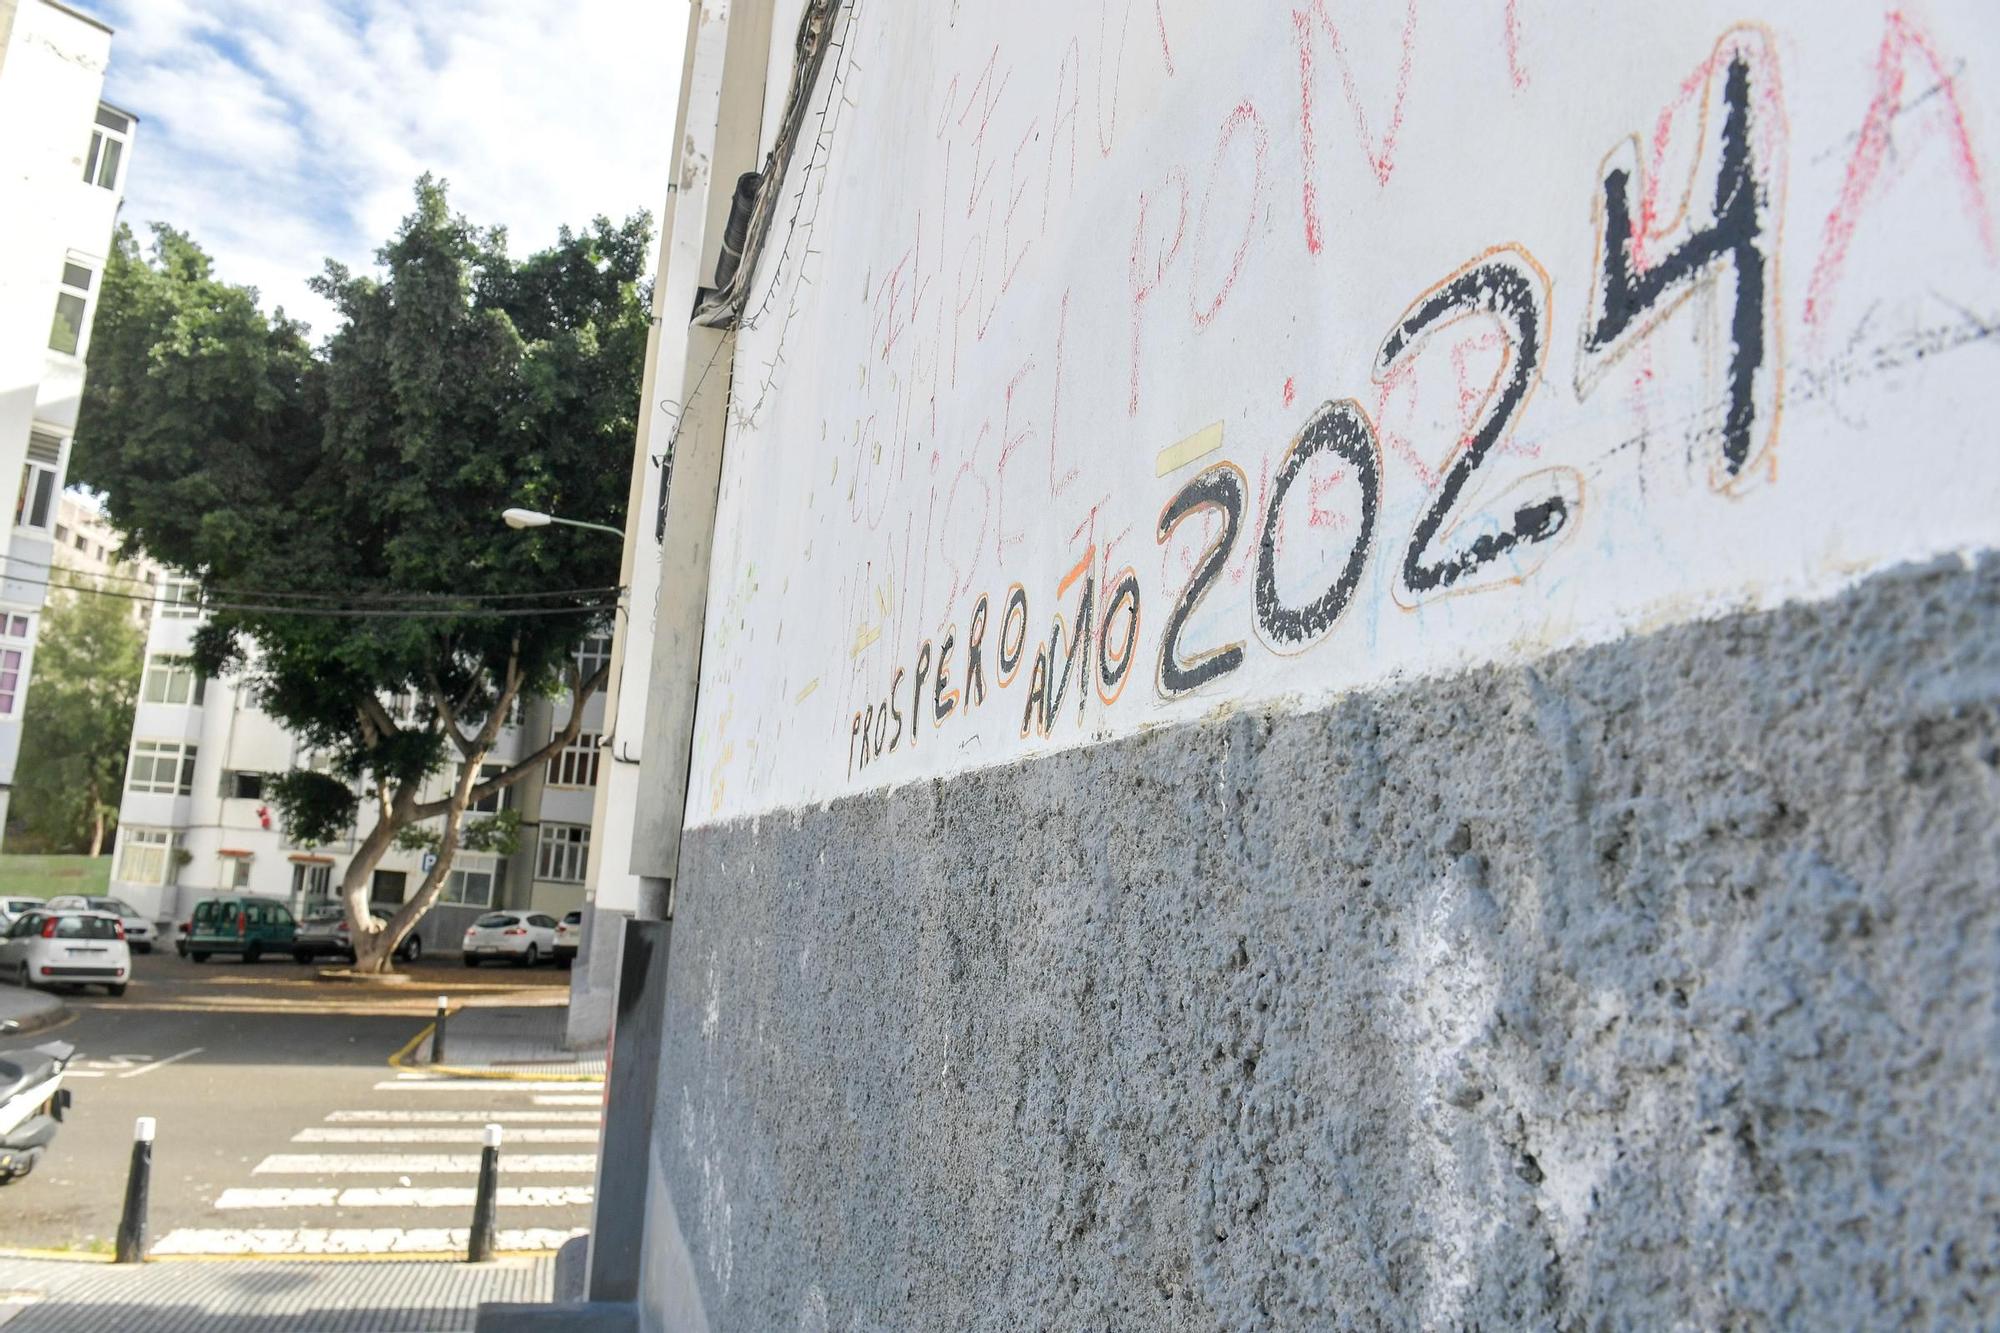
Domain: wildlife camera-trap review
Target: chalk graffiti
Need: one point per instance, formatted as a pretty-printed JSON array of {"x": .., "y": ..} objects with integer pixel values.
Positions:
[
  {"x": 1510, "y": 287},
  {"x": 1516, "y": 371},
  {"x": 1470, "y": 533},
  {"x": 1902, "y": 40},
  {"x": 1219, "y": 488},
  {"x": 1637, "y": 289}
]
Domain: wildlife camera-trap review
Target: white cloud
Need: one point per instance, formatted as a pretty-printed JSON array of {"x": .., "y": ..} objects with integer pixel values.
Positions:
[{"x": 282, "y": 133}]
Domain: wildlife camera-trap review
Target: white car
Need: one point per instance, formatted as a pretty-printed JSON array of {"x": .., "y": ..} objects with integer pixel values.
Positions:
[
  {"x": 48, "y": 947},
  {"x": 569, "y": 938},
  {"x": 138, "y": 930},
  {"x": 522, "y": 938},
  {"x": 12, "y": 907}
]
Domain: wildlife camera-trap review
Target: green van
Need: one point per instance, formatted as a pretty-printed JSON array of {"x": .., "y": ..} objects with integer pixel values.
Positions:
[{"x": 248, "y": 926}]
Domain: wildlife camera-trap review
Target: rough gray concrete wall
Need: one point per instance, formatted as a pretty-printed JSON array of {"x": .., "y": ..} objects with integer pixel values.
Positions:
[{"x": 1652, "y": 985}]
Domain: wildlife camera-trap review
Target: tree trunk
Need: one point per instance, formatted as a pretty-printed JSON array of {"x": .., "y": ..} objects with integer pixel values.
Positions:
[
  {"x": 96, "y": 824},
  {"x": 375, "y": 944},
  {"x": 359, "y": 878}
]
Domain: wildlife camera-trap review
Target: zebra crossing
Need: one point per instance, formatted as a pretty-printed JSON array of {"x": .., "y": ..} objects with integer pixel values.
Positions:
[{"x": 398, "y": 1175}]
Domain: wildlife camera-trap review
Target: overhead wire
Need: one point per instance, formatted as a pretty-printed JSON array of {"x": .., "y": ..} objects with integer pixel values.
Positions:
[
  {"x": 356, "y": 597},
  {"x": 598, "y": 607}
]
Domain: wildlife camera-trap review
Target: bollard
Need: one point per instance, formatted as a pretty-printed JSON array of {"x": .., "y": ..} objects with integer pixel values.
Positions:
[
  {"x": 138, "y": 1186},
  {"x": 480, "y": 1247},
  {"x": 437, "y": 1030}
]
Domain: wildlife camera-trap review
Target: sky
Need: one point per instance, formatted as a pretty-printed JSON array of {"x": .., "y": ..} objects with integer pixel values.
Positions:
[{"x": 282, "y": 133}]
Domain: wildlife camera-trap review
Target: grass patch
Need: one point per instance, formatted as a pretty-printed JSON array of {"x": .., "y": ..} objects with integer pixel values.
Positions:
[{"x": 47, "y": 876}]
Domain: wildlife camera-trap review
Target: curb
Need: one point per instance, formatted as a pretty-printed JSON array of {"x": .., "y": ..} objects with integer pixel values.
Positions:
[
  {"x": 405, "y": 1257},
  {"x": 40, "y": 1018},
  {"x": 399, "y": 1060}
]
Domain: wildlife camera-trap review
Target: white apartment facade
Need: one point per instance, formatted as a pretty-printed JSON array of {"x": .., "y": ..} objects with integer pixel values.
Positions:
[
  {"x": 62, "y": 172},
  {"x": 197, "y": 820},
  {"x": 88, "y": 550}
]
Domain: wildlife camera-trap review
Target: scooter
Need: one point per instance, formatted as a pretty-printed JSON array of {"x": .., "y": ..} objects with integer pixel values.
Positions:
[{"x": 32, "y": 1102}]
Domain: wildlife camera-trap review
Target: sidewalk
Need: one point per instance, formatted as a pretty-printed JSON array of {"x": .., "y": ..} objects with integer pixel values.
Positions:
[
  {"x": 32, "y": 1009},
  {"x": 505, "y": 1041},
  {"x": 67, "y": 1296}
]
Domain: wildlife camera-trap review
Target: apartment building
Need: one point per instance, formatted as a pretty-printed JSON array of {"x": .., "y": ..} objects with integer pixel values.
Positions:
[
  {"x": 88, "y": 550},
  {"x": 197, "y": 819},
  {"x": 63, "y": 163}
]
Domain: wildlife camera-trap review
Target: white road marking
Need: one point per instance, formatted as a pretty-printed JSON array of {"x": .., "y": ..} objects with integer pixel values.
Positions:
[
  {"x": 420, "y": 1164},
  {"x": 295, "y": 1198},
  {"x": 459, "y": 1134},
  {"x": 350, "y": 1240},
  {"x": 161, "y": 1064},
  {"x": 106, "y": 1064},
  {"x": 458, "y": 1117},
  {"x": 597, "y": 1101},
  {"x": 529, "y": 1196},
  {"x": 491, "y": 1087}
]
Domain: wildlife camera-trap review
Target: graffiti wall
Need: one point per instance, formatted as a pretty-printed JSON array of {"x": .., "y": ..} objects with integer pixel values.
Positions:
[{"x": 1115, "y": 362}]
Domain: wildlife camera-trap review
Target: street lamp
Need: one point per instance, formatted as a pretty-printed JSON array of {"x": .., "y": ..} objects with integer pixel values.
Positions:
[{"x": 534, "y": 518}]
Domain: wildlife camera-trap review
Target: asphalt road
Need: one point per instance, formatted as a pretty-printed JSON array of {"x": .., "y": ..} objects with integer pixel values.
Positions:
[{"x": 263, "y": 1078}]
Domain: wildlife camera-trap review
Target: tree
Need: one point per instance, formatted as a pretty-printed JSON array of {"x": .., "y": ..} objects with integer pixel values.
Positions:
[
  {"x": 79, "y": 719},
  {"x": 340, "y": 505}
]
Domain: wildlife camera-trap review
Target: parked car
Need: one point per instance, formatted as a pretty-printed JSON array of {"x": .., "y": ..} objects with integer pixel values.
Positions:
[
  {"x": 522, "y": 938},
  {"x": 47, "y": 947},
  {"x": 247, "y": 925},
  {"x": 569, "y": 935},
  {"x": 138, "y": 930},
  {"x": 325, "y": 933},
  {"x": 13, "y": 907}
]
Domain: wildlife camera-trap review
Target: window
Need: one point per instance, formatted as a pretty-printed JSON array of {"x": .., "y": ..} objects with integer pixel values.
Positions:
[
  {"x": 472, "y": 882},
  {"x": 107, "y": 148},
  {"x": 235, "y": 872},
  {"x": 147, "y": 856},
  {"x": 493, "y": 802},
  {"x": 166, "y": 767},
  {"x": 87, "y": 928},
  {"x": 564, "y": 853},
  {"x": 171, "y": 680},
  {"x": 62, "y": 533},
  {"x": 388, "y": 886},
  {"x": 38, "y": 493},
  {"x": 595, "y": 653},
  {"x": 72, "y": 305},
  {"x": 576, "y": 765},
  {"x": 13, "y": 659},
  {"x": 311, "y": 879},
  {"x": 244, "y": 787},
  {"x": 180, "y": 599}
]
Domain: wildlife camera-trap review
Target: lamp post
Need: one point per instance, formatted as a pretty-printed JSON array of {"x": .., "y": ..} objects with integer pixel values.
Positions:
[{"x": 535, "y": 518}]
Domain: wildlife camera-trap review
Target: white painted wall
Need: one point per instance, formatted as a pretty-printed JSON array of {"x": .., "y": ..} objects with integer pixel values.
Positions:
[
  {"x": 51, "y": 76},
  {"x": 1052, "y": 262}
]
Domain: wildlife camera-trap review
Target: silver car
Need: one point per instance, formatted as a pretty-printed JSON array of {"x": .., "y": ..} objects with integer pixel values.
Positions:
[
  {"x": 325, "y": 934},
  {"x": 138, "y": 930},
  {"x": 13, "y": 905}
]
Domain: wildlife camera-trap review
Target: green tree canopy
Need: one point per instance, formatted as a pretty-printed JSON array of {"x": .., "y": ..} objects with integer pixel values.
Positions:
[
  {"x": 340, "y": 504},
  {"x": 75, "y": 733}
]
